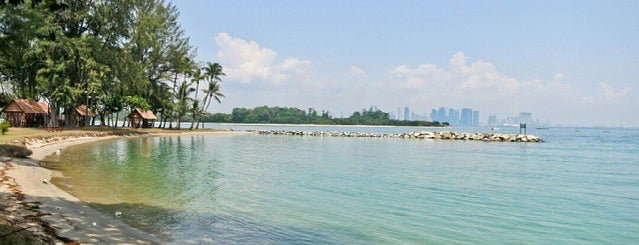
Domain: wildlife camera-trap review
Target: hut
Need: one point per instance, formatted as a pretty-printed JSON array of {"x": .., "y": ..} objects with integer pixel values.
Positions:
[
  {"x": 26, "y": 113},
  {"x": 80, "y": 115},
  {"x": 141, "y": 118}
]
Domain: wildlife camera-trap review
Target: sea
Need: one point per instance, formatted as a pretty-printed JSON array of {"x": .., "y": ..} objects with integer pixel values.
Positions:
[{"x": 580, "y": 186}]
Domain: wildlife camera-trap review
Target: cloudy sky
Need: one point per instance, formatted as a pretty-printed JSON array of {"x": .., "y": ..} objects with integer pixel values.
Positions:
[{"x": 567, "y": 62}]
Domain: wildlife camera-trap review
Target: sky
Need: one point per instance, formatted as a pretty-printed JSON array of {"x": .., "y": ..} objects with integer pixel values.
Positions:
[{"x": 566, "y": 62}]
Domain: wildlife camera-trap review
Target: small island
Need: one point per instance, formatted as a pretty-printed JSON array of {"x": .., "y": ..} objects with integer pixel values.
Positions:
[{"x": 291, "y": 115}]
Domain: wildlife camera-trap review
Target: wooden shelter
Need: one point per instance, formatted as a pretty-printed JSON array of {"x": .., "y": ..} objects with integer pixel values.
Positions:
[
  {"x": 80, "y": 115},
  {"x": 141, "y": 118},
  {"x": 26, "y": 113}
]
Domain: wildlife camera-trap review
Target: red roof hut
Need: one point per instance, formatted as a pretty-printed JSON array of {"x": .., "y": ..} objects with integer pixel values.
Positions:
[
  {"x": 141, "y": 118},
  {"x": 80, "y": 115},
  {"x": 26, "y": 113}
]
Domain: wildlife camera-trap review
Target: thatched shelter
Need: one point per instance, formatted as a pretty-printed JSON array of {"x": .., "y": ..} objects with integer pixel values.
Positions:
[
  {"x": 80, "y": 115},
  {"x": 142, "y": 118},
  {"x": 26, "y": 113}
]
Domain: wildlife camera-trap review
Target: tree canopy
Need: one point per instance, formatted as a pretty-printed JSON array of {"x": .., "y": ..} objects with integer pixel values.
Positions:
[
  {"x": 289, "y": 115},
  {"x": 112, "y": 55}
]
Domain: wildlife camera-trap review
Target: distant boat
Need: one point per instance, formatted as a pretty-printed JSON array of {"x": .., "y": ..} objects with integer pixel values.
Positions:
[
  {"x": 542, "y": 127},
  {"x": 494, "y": 128}
]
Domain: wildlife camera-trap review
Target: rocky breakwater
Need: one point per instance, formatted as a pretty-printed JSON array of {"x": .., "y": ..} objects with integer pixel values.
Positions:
[{"x": 488, "y": 137}]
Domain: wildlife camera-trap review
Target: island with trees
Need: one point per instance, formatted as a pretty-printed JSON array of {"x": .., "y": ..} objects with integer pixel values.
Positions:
[{"x": 290, "y": 115}]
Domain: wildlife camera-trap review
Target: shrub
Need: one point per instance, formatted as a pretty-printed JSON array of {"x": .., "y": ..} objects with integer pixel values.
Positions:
[{"x": 4, "y": 127}]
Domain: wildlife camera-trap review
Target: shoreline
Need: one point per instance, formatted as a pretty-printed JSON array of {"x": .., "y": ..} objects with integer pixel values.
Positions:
[{"x": 48, "y": 211}]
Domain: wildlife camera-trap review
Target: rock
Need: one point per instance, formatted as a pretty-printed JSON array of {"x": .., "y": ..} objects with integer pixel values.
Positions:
[{"x": 492, "y": 137}]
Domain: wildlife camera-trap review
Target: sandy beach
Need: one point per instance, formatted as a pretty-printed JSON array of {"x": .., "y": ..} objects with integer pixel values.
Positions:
[{"x": 27, "y": 187}]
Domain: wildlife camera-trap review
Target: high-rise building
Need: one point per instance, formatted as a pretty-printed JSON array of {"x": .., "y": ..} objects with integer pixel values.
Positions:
[
  {"x": 475, "y": 118},
  {"x": 399, "y": 113},
  {"x": 406, "y": 113},
  {"x": 441, "y": 113},
  {"x": 466, "y": 117},
  {"x": 492, "y": 120},
  {"x": 453, "y": 116}
]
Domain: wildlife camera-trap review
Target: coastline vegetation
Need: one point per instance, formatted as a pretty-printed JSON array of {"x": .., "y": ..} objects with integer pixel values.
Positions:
[
  {"x": 290, "y": 115},
  {"x": 113, "y": 56}
]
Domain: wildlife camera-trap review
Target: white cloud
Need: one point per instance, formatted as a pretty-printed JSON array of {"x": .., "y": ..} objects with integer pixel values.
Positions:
[
  {"x": 458, "y": 78},
  {"x": 247, "y": 61},
  {"x": 610, "y": 93},
  {"x": 560, "y": 76},
  {"x": 357, "y": 72}
]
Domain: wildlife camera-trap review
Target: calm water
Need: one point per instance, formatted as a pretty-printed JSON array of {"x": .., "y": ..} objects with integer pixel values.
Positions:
[{"x": 580, "y": 187}]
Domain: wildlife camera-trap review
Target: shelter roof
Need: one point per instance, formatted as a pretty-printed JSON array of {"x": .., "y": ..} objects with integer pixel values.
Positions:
[
  {"x": 26, "y": 106},
  {"x": 82, "y": 110}
]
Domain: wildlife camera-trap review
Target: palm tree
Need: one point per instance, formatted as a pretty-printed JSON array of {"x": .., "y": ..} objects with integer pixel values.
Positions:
[
  {"x": 212, "y": 72},
  {"x": 196, "y": 76},
  {"x": 184, "y": 90}
]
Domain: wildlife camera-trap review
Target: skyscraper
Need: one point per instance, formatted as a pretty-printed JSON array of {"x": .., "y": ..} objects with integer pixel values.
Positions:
[
  {"x": 453, "y": 116},
  {"x": 441, "y": 113},
  {"x": 406, "y": 113},
  {"x": 475, "y": 118},
  {"x": 433, "y": 115},
  {"x": 466, "y": 117}
]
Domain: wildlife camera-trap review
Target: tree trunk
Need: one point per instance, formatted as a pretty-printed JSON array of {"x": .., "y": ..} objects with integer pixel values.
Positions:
[
  {"x": 53, "y": 115},
  {"x": 68, "y": 122},
  {"x": 124, "y": 122},
  {"x": 117, "y": 114},
  {"x": 192, "y": 121},
  {"x": 102, "y": 119}
]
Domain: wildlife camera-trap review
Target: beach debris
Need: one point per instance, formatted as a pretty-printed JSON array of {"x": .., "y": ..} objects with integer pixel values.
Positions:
[
  {"x": 58, "y": 152},
  {"x": 118, "y": 214},
  {"x": 45, "y": 181},
  {"x": 94, "y": 224}
]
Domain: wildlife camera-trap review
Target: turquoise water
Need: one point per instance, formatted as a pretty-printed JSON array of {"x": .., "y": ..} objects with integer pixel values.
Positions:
[{"x": 579, "y": 187}]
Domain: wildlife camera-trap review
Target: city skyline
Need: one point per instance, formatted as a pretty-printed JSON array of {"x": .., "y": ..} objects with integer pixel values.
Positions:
[{"x": 552, "y": 59}]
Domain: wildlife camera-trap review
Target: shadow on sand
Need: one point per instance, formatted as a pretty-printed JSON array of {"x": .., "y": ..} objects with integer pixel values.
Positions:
[{"x": 82, "y": 222}]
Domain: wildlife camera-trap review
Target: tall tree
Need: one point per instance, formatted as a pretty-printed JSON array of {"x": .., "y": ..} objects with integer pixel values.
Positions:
[
  {"x": 196, "y": 111},
  {"x": 213, "y": 73}
]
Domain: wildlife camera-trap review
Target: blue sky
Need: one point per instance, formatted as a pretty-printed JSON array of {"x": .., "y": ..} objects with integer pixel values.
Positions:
[{"x": 567, "y": 62}]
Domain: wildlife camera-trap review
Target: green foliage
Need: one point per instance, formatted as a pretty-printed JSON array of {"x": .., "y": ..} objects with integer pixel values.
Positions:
[
  {"x": 285, "y": 115},
  {"x": 115, "y": 55},
  {"x": 136, "y": 102},
  {"x": 5, "y": 99},
  {"x": 4, "y": 127}
]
